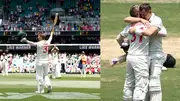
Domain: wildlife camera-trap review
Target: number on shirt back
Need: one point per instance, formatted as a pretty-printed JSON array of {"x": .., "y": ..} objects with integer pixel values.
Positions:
[
  {"x": 45, "y": 49},
  {"x": 140, "y": 37},
  {"x": 134, "y": 38}
]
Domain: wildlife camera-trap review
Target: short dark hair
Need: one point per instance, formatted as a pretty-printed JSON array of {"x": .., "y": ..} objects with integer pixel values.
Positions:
[
  {"x": 145, "y": 6},
  {"x": 134, "y": 10}
]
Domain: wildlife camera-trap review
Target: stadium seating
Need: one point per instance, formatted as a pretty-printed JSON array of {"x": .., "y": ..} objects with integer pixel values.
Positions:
[{"x": 69, "y": 19}]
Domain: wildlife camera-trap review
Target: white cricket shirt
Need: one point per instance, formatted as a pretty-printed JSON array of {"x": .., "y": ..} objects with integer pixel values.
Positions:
[
  {"x": 139, "y": 45},
  {"x": 155, "y": 40}
]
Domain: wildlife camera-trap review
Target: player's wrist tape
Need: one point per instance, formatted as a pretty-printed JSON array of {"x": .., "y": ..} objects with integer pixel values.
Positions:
[{"x": 138, "y": 31}]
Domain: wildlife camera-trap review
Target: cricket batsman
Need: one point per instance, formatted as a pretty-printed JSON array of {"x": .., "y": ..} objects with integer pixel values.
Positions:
[
  {"x": 42, "y": 59},
  {"x": 137, "y": 61},
  {"x": 155, "y": 47}
]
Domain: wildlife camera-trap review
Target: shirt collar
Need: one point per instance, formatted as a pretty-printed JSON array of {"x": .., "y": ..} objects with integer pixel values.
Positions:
[{"x": 152, "y": 16}]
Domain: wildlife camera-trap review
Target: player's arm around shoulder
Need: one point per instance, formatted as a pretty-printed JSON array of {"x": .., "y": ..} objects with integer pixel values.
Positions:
[
  {"x": 155, "y": 26},
  {"x": 131, "y": 19},
  {"x": 162, "y": 32},
  {"x": 152, "y": 29},
  {"x": 135, "y": 20}
]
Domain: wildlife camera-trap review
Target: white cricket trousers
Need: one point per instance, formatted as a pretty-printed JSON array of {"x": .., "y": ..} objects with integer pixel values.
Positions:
[
  {"x": 56, "y": 70},
  {"x": 157, "y": 60},
  {"x": 83, "y": 70},
  {"x": 156, "y": 64},
  {"x": 42, "y": 75},
  {"x": 136, "y": 81},
  {"x": 5, "y": 68}
]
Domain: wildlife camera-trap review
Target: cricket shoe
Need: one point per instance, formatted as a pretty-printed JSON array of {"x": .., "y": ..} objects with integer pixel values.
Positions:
[
  {"x": 49, "y": 89},
  {"x": 39, "y": 92},
  {"x": 113, "y": 61},
  {"x": 164, "y": 68}
]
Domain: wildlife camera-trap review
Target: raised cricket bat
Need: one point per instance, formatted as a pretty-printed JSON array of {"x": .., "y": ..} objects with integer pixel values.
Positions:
[{"x": 56, "y": 19}]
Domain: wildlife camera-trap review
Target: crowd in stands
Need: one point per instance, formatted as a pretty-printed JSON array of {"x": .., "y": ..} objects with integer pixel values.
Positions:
[
  {"x": 26, "y": 63},
  {"x": 84, "y": 9},
  {"x": 85, "y": 16},
  {"x": 77, "y": 40}
]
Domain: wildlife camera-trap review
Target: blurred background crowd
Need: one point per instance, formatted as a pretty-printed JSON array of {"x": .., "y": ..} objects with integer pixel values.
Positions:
[
  {"x": 31, "y": 16},
  {"x": 36, "y": 15},
  {"x": 26, "y": 63}
]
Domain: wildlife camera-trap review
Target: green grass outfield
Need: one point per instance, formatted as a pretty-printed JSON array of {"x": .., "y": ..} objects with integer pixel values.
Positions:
[
  {"x": 112, "y": 82},
  {"x": 32, "y": 76},
  {"x": 113, "y": 14},
  {"x": 71, "y": 87}
]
